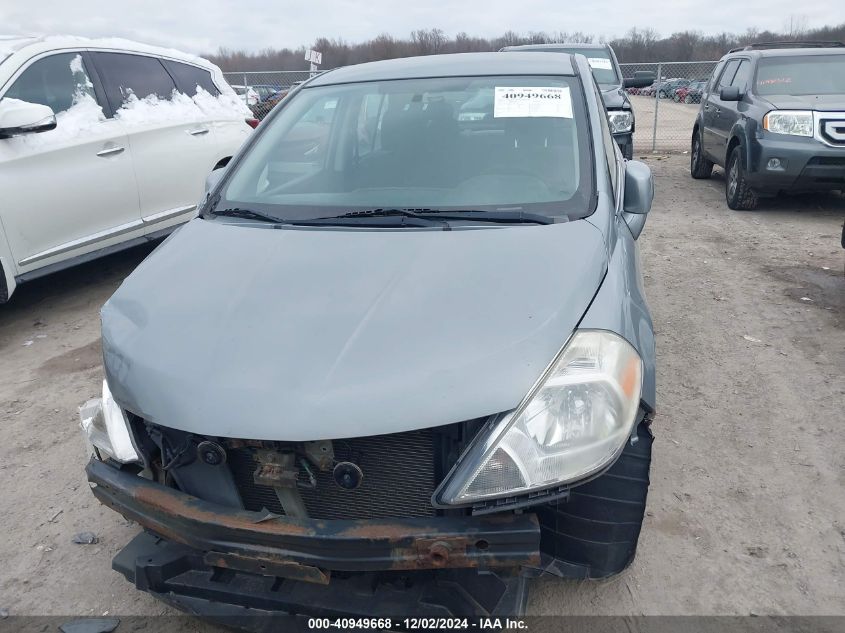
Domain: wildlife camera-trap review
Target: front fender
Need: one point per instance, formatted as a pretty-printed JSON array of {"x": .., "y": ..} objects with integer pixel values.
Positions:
[
  {"x": 620, "y": 306},
  {"x": 743, "y": 131}
]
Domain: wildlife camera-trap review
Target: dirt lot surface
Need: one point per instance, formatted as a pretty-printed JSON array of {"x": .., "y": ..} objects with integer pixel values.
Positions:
[{"x": 746, "y": 512}]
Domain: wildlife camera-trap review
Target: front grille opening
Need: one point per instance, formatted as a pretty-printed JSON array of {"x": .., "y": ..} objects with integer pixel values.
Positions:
[
  {"x": 827, "y": 161},
  {"x": 400, "y": 470},
  {"x": 399, "y": 479}
]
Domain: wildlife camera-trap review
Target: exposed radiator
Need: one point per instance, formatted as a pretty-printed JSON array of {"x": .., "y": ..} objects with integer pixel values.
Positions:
[{"x": 398, "y": 481}]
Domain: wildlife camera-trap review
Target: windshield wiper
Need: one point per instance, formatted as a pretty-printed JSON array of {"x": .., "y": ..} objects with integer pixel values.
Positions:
[
  {"x": 477, "y": 215},
  {"x": 248, "y": 214},
  {"x": 377, "y": 217}
]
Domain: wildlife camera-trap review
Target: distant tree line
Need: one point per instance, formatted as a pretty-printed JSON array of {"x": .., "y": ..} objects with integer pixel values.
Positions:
[{"x": 638, "y": 45}]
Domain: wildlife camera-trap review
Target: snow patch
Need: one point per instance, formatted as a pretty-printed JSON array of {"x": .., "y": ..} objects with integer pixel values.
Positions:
[
  {"x": 181, "y": 107},
  {"x": 70, "y": 124}
]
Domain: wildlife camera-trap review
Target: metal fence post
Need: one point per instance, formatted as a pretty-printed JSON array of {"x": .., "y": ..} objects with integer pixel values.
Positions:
[{"x": 656, "y": 106}]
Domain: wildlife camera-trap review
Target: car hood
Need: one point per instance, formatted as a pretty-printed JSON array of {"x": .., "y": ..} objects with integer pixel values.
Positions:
[
  {"x": 244, "y": 331},
  {"x": 807, "y": 102},
  {"x": 615, "y": 98}
]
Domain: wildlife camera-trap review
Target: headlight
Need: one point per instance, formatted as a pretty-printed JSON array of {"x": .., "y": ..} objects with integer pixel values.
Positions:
[
  {"x": 105, "y": 427},
  {"x": 795, "y": 122},
  {"x": 620, "y": 121},
  {"x": 573, "y": 423}
]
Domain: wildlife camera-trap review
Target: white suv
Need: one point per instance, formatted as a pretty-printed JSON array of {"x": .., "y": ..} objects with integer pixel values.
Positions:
[{"x": 103, "y": 144}]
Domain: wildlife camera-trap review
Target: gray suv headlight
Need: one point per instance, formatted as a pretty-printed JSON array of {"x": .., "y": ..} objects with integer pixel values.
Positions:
[
  {"x": 620, "y": 121},
  {"x": 573, "y": 423},
  {"x": 793, "y": 122}
]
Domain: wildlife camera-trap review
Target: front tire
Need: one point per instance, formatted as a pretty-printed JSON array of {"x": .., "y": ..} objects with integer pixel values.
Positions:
[
  {"x": 739, "y": 195},
  {"x": 699, "y": 167}
]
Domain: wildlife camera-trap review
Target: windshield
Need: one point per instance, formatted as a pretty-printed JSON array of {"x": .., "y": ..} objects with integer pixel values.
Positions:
[
  {"x": 498, "y": 144},
  {"x": 600, "y": 63},
  {"x": 804, "y": 75}
]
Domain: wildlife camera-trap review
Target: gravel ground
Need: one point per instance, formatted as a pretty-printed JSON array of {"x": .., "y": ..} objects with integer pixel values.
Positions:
[{"x": 746, "y": 512}]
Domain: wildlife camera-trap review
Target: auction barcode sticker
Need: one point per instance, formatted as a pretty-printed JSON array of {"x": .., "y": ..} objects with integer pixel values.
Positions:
[
  {"x": 532, "y": 102},
  {"x": 600, "y": 63}
]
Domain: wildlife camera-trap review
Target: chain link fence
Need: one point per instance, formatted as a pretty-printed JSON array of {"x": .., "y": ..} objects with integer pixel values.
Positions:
[
  {"x": 666, "y": 110},
  {"x": 262, "y": 90}
]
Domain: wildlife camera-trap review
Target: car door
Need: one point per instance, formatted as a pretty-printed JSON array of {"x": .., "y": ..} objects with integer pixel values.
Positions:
[
  {"x": 714, "y": 135},
  {"x": 71, "y": 190},
  {"x": 226, "y": 119},
  {"x": 173, "y": 148},
  {"x": 729, "y": 112}
]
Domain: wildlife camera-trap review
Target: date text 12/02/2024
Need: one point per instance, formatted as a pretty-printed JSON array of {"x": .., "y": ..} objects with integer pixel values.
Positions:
[{"x": 411, "y": 624}]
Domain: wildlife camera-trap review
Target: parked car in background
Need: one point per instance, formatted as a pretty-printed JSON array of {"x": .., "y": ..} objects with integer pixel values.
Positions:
[
  {"x": 247, "y": 93},
  {"x": 773, "y": 115},
  {"x": 608, "y": 75},
  {"x": 326, "y": 479},
  {"x": 265, "y": 91},
  {"x": 666, "y": 89},
  {"x": 263, "y": 108},
  {"x": 648, "y": 91},
  {"x": 690, "y": 93},
  {"x": 103, "y": 144}
]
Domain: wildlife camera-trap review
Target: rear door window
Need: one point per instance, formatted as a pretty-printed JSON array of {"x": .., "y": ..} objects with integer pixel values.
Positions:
[
  {"x": 125, "y": 75},
  {"x": 58, "y": 81},
  {"x": 189, "y": 77}
]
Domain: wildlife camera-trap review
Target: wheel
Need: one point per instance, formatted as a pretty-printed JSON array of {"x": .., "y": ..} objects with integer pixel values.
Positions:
[
  {"x": 738, "y": 193},
  {"x": 676, "y": 98},
  {"x": 699, "y": 167},
  {"x": 688, "y": 99}
]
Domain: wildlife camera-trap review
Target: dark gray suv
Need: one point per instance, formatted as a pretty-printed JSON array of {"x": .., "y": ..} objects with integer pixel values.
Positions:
[
  {"x": 608, "y": 76},
  {"x": 773, "y": 115}
]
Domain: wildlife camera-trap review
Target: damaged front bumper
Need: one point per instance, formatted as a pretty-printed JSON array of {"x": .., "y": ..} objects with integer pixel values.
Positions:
[{"x": 209, "y": 551}]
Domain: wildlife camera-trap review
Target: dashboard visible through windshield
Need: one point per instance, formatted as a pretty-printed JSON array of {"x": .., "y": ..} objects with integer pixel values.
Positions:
[{"x": 496, "y": 144}]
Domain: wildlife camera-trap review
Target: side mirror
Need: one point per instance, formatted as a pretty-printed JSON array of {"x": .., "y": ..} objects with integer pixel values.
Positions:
[
  {"x": 730, "y": 93},
  {"x": 20, "y": 117},
  {"x": 639, "y": 194},
  {"x": 213, "y": 178},
  {"x": 641, "y": 79}
]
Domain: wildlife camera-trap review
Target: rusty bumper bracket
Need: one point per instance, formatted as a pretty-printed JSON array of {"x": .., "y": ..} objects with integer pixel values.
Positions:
[{"x": 509, "y": 540}]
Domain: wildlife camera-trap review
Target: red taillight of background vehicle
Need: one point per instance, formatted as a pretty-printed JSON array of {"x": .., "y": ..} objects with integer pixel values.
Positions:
[{"x": 253, "y": 123}]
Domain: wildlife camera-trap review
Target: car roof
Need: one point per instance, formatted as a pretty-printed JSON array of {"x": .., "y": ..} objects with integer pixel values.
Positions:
[
  {"x": 452, "y": 65},
  {"x": 559, "y": 46},
  {"x": 785, "y": 52},
  {"x": 33, "y": 45}
]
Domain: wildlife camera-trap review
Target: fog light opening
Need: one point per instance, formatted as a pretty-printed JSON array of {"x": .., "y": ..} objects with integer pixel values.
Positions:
[{"x": 775, "y": 164}]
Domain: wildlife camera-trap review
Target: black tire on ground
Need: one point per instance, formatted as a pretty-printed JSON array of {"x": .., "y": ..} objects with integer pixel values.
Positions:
[
  {"x": 699, "y": 167},
  {"x": 739, "y": 195},
  {"x": 688, "y": 99},
  {"x": 594, "y": 534}
]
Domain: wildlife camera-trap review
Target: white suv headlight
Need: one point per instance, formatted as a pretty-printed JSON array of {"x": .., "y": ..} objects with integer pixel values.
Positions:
[
  {"x": 620, "y": 121},
  {"x": 105, "y": 427},
  {"x": 794, "y": 122},
  {"x": 572, "y": 424}
]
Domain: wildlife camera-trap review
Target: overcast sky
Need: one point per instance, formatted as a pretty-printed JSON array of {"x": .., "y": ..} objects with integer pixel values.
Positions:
[{"x": 201, "y": 26}]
